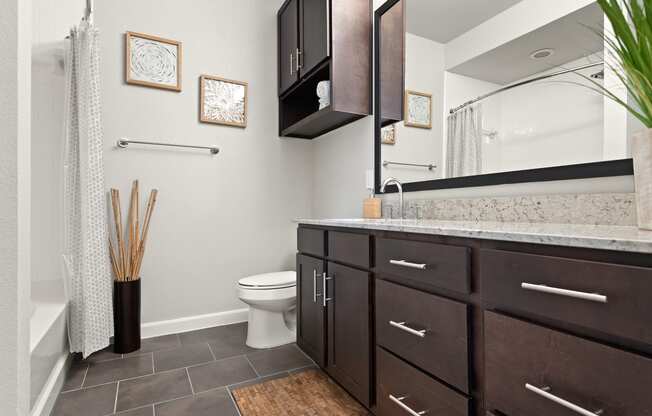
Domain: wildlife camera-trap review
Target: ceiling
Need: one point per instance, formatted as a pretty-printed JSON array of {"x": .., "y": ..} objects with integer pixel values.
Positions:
[
  {"x": 444, "y": 20},
  {"x": 568, "y": 36}
]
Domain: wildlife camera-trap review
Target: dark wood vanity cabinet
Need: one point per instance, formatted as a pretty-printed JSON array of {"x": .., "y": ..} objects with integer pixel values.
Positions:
[
  {"x": 303, "y": 39},
  {"x": 349, "y": 329},
  {"x": 323, "y": 40},
  {"x": 334, "y": 323},
  {"x": 311, "y": 316},
  {"x": 288, "y": 44},
  {"x": 455, "y": 326}
]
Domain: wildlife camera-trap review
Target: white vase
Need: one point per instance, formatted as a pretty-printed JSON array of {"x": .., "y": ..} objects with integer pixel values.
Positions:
[{"x": 642, "y": 155}]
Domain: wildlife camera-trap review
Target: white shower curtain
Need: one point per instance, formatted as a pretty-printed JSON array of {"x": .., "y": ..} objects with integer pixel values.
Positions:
[
  {"x": 464, "y": 144},
  {"x": 86, "y": 267}
]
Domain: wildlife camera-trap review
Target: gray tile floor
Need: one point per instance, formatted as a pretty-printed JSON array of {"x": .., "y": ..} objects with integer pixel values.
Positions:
[{"x": 191, "y": 373}]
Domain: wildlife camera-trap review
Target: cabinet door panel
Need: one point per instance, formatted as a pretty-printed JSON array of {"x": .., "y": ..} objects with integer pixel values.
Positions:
[
  {"x": 288, "y": 42},
  {"x": 529, "y": 368},
  {"x": 314, "y": 33},
  {"x": 311, "y": 327},
  {"x": 348, "y": 329}
]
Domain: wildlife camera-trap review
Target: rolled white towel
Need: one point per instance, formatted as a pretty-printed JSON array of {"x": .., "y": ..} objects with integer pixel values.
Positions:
[{"x": 324, "y": 89}]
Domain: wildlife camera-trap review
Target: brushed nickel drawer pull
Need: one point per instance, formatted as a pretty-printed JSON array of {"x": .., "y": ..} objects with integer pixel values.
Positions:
[
  {"x": 324, "y": 292},
  {"x": 315, "y": 295},
  {"x": 399, "y": 402},
  {"x": 401, "y": 325},
  {"x": 594, "y": 297},
  {"x": 545, "y": 393},
  {"x": 291, "y": 64},
  {"x": 403, "y": 263}
]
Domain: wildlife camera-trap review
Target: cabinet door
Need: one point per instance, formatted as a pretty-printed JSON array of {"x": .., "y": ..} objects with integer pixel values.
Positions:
[
  {"x": 392, "y": 64},
  {"x": 288, "y": 44},
  {"x": 310, "y": 311},
  {"x": 314, "y": 32},
  {"x": 348, "y": 329}
]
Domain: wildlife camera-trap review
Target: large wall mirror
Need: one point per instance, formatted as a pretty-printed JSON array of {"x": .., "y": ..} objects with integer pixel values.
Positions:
[{"x": 484, "y": 92}]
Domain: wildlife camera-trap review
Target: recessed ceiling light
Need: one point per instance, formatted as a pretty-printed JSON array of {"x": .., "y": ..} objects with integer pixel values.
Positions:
[{"x": 542, "y": 53}]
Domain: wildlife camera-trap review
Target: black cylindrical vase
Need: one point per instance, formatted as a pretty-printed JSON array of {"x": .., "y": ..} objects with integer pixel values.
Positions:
[{"x": 126, "y": 316}]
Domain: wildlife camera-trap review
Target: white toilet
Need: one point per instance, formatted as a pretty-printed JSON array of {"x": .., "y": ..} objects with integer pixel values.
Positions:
[{"x": 272, "y": 299}]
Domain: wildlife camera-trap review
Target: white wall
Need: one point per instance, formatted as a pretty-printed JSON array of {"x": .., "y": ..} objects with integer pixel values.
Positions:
[
  {"x": 218, "y": 218},
  {"x": 14, "y": 206},
  {"x": 424, "y": 72}
]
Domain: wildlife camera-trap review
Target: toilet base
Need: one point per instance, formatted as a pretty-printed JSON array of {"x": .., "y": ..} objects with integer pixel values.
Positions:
[{"x": 268, "y": 329}]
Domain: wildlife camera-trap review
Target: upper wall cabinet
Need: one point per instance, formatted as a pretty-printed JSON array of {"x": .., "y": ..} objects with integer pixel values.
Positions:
[{"x": 323, "y": 40}]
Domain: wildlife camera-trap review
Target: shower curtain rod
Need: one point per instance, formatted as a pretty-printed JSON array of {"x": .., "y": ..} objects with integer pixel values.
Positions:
[
  {"x": 88, "y": 13},
  {"x": 520, "y": 83}
]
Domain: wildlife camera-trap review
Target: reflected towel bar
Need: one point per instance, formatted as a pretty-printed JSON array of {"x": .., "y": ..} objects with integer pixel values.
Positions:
[
  {"x": 429, "y": 166},
  {"x": 123, "y": 143}
]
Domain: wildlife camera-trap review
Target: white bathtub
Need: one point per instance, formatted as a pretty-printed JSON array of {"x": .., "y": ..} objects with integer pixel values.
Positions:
[{"x": 48, "y": 344}]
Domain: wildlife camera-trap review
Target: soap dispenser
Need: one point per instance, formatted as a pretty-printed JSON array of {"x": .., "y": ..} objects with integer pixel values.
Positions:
[{"x": 372, "y": 206}]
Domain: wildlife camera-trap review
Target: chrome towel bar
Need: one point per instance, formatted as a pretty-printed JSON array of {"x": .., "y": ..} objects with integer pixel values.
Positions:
[
  {"x": 430, "y": 166},
  {"x": 123, "y": 143}
]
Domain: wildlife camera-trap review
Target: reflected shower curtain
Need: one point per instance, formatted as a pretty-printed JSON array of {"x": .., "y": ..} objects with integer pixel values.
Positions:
[
  {"x": 464, "y": 144},
  {"x": 86, "y": 267}
]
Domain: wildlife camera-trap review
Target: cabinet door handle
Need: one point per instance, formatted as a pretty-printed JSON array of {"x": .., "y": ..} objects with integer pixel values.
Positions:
[
  {"x": 408, "y": 409},
  {"x": 324, "y": 292},
  {"x": 594, "y": 297},
  {"x": 401, "y": 325},
  {"x": 314, "y": 286},
  {"x": 545, "y": 393},
  {"x": 403, "y": 263},
  {"x": 291, "y": 64},
  {"x": 299, "y": 59}
]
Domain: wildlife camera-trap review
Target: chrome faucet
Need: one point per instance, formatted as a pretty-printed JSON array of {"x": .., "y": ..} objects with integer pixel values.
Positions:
[{"x": 396, "y": 182}]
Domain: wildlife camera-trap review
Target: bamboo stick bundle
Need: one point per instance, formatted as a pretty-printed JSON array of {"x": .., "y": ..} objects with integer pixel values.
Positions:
[{"x": 127, "y": 256}]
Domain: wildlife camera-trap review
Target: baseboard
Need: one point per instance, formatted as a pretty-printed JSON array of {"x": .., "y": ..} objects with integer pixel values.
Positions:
[
  {"x": 48, "y": 396},
  {"x": 191, "y": 323}
]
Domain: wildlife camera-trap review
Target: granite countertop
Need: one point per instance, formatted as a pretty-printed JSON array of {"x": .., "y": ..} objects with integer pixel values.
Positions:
[{"x": 604, "y": 237}]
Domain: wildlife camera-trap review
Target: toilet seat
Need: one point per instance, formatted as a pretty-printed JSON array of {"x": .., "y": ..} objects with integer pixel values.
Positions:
[{"x": 269, "y": 281}]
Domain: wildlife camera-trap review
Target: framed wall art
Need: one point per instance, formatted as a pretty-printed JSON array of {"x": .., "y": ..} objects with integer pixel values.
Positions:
[
  {"x": 152, "y": 61},
  {"x": 418, "y": 109},
  {"x": 223, "y": 101}
]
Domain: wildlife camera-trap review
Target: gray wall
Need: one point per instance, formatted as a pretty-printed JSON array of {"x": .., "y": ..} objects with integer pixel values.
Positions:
[{"x": 218, "y": 218}]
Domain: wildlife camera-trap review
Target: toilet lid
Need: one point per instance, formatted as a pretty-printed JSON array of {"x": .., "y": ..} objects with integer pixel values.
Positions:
[{"x": 276, "y": 280}]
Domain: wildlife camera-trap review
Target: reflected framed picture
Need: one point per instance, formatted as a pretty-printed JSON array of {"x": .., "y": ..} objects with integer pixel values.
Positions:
[
  {"x": 223, "y": 101},
  {"x": 388, "y": 134},
  {"x": 418, "y": 109},
  {"x": 152, "y": 61}
]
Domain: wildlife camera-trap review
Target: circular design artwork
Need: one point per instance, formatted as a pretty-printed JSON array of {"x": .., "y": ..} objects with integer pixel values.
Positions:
[{"x": 153, "y": 61}]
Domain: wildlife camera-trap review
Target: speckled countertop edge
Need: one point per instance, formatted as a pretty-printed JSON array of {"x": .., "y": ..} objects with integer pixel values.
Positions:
[{"x": 602, "y": 237}]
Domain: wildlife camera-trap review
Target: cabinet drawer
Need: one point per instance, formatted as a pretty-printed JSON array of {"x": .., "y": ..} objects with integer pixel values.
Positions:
[
  {"x": 401, "y": 387},
  {"x": 426, "y": 330},
  {"x": 349, "y": 248},
  {"x": 426, "y": 264},
  {"x": 609, "y": 298},
  {"x": 311, "y": 241},
  {"x": 535, "y": 371}
]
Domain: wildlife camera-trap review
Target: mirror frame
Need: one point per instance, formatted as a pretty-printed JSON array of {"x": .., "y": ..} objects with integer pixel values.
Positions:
[{"x": 619, "y": 167}]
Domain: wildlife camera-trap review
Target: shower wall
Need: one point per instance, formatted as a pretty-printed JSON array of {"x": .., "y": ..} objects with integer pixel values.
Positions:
[{"x": 51, "y": 22}]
